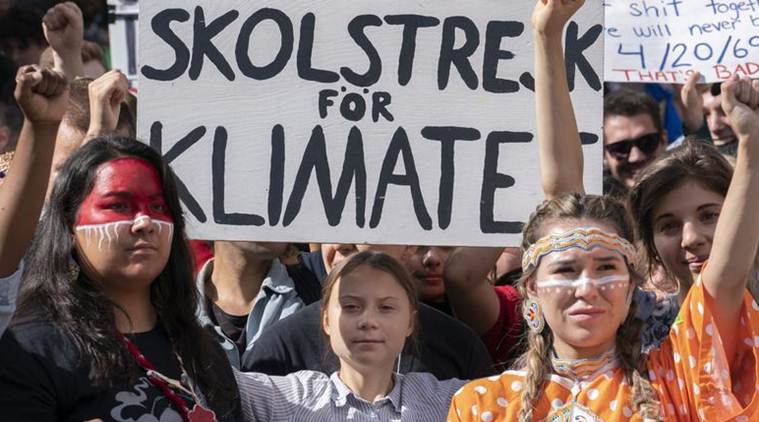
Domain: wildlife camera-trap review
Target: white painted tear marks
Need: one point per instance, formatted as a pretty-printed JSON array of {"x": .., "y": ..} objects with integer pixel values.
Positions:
[{"x": 110, "y": 232}]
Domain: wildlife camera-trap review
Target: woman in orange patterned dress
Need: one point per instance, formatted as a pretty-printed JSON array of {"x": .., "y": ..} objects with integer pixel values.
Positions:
[{"x": 584, "y": 361}]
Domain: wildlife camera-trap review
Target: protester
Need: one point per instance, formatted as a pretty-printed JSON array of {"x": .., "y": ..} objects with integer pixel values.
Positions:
[
  {"x": 42, "y": 95},
  {"x": 294, "y": 343},
  {"x": 106, "y": 322},
  {"x": 633, "y": 134},
  {"x": 580, "y": 280},
  {"x": 245, "y": 289},
  {"x": 426, "y": 265},
  {"x": 491, "y": 311},
  {"x": 368, "y": 313},
  {"x": 21, "y": 37},
  {"x": 702, "y": 112},
  {"x": 675, "y": 203}
]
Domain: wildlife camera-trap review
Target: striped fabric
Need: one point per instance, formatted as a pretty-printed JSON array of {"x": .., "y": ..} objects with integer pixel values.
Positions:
[{"x": 315, "y": 397}]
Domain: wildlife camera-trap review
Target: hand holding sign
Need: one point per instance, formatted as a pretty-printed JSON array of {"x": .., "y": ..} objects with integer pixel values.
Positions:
[
  {"x": 41, "y": 94},
  {"x": 550, "y": 16},
  {"x": 106, "y": 95},
  {"x": 740, "y": 100},
  {"x": 64, "y": 30}
]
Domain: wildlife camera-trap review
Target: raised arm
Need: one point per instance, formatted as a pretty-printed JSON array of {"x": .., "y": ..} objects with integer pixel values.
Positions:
[
  {"x": 64, "y": 30},
  {"x": 561, "y": 161},
  {"x": 736, "y": 236},
  {"x": 469, "y": 292},
  {"x": 42, "y": 95}
]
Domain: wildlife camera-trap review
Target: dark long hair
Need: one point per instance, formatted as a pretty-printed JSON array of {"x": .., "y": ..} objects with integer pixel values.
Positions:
[{"x": 78, "y": 308}]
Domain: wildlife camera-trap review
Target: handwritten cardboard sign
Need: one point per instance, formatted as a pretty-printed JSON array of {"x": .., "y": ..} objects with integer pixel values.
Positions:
[
  {"x": 667, "y": 40},
  {"x": 356, "y": 121}
]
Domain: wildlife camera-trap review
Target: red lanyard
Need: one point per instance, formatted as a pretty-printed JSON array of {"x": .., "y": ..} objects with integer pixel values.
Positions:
[
  {"x": 198, "y": 412},
  {"x": 179, "y": 403}
]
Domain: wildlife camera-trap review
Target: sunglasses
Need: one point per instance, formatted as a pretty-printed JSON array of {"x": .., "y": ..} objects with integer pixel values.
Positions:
[{"x": 647, "y": 144}]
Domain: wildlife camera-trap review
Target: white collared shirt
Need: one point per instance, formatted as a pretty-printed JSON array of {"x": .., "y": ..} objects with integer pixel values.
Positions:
[{"x": 315, "y": 397}]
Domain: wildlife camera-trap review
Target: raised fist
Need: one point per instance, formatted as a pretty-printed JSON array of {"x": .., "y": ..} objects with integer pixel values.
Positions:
[
  {"x": 64, "y": 29},
  {"x": 106, "y": 95},
  {"x": 42, "y": 94},
  {"x": 550, "y": 16},
  {"x": 740, "y": 100}
]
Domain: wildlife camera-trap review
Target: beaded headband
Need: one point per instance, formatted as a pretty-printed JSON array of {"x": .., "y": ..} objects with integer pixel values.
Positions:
[{"x": 585, "y": 238}]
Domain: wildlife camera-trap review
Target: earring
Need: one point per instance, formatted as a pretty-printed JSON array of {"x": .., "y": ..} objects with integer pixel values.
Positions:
[
  {"x": 532, "y": 313},
  {"x": 72, "y": 271}
]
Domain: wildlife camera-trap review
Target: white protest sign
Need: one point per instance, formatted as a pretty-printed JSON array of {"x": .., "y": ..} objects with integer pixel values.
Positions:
[
  {"x": 122, "y": 33},
  {"x": 408, "y": 122},
  {"x": 667, "y": 40}
]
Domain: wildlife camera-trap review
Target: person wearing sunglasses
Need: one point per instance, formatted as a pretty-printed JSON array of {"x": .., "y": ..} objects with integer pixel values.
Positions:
[{"x": 633, "y": 134}]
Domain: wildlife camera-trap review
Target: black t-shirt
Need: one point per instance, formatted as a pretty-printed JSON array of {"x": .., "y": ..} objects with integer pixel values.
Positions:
[
  {"x": 41, "y": 379},
  {"x": 232, "y": 326},
  {"x": 446, "y": 348}
]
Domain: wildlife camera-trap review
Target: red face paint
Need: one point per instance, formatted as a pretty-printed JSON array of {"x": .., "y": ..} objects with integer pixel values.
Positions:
[{"x": 124, "y": 190}]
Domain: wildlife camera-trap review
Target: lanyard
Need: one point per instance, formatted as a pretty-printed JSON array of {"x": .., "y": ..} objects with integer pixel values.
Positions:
[{"x": 165, "y": 384}]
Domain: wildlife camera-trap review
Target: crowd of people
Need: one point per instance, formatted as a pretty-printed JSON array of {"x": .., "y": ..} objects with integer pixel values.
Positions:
[{"x": 638, "y": 304}]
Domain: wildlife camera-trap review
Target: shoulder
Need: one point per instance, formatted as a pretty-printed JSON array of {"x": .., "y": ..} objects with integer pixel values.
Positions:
[
  {"x": 36, "y": 336},
  {"x": 426, "y": 384},
  {"x": 314, "y": 262},
  {"x": 497, "y": 392},
  {"x": 294, "y": 387},
  {"x": 432, "y": 320},
  {"x": 507, "y": 293},
  {"x": 296, "y": 326}
]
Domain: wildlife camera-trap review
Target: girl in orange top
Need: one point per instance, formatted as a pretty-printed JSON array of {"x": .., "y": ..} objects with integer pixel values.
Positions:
[{"x": 584, "y": 361}]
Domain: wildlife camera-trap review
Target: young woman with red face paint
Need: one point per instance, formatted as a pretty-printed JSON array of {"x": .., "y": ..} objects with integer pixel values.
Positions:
[{"x": 106, "y": 325}]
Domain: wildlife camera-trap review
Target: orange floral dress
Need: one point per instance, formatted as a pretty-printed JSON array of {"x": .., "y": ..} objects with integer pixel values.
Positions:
[{"x": 688, "y": 370}]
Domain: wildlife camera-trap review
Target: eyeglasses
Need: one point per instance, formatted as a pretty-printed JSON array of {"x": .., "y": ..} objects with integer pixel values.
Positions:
[{"x": 647, "y": 144}]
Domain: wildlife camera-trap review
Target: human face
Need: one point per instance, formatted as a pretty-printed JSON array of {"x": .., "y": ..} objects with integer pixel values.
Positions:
[
  {"x": 585, "y": 295},
  {"x": 368, "y": 319},
  {"x": 621, "y": 128},
  {"x": 683, "y": 227},
  {"x": 333, "y": 253},
  {"x": 716, "y": 120},
  {"x": 426, "y": 265},
  {"x": 123, "y": 229}
]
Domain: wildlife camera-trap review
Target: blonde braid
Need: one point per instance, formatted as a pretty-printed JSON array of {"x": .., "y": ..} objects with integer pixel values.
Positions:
[
  {"x": 537, "y": 364},
  {"x": 644, "y": 400}
]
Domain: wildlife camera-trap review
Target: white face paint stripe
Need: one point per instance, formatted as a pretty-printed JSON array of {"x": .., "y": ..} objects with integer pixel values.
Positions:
[
  {"x": 102, "y": 232},
  {"x": 583, "y": 281}
]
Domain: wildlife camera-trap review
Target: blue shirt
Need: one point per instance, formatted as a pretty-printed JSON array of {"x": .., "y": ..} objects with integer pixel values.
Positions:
[{"x": 277, "y": 299}]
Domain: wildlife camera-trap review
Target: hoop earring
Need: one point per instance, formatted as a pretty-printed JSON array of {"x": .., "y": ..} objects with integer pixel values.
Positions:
[{"x": 533, "y": 315}]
